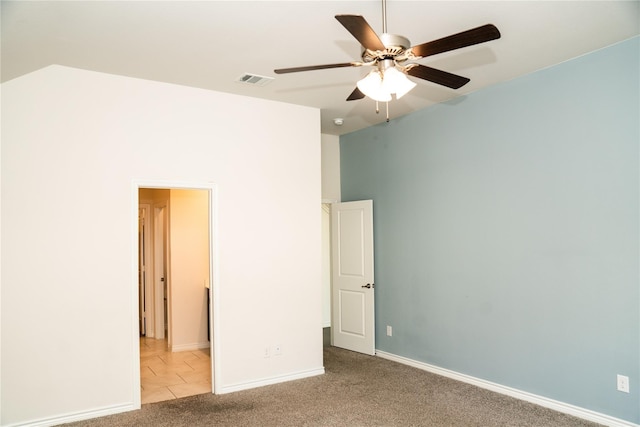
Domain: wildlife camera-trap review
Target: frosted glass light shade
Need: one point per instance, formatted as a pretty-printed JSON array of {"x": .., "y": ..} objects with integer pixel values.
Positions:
[
  {"x": 379, "y": 87},
  {"x": 372, "y": 86},
  {"x": 397, "y": 82}
]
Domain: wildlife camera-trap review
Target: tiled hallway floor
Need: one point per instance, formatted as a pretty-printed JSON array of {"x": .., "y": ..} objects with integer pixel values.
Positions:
[{"x": 165, "y": 375}]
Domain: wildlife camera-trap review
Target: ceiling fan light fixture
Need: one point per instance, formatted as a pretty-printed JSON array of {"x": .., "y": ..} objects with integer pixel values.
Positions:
[
  {"x": 372, "y": 86},
  {"x": 379, "y": 86},
  {"x": 395, "y": 81}
]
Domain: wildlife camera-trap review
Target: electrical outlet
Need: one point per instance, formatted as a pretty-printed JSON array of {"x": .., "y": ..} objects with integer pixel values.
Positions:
[
  {"x": 623, "y": 383},
  {"x": 277, "y": 350},
  {"x": 267, "y": 352},
  {"x": 389, "y": 331}
]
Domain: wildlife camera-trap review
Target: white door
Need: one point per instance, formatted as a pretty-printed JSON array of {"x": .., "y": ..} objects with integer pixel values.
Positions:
[{"x": 353, "y": 320}]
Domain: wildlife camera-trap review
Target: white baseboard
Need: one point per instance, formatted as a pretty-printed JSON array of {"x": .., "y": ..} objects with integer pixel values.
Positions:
[
  {"x": 269, "y": 381},
  {"x": 190, "y": 347},
  {"x": 565, "y": 408},
  {"x": 77, "y": 416}
]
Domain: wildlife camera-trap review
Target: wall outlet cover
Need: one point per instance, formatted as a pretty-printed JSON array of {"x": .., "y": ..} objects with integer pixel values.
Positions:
[{"x": 623, "y": 383}]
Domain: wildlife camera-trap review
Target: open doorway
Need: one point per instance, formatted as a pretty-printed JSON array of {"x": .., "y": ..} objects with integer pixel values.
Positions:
[{"x": 175, "y": 270}]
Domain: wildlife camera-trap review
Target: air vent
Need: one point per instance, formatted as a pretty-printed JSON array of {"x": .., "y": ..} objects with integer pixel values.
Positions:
[{"x": 254, "y": 79}]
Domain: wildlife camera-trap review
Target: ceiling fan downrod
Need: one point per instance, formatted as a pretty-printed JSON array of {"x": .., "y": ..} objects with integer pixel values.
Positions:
[
  {"x": 384, "y": 16},
  {"x": 384, "y": 31}
]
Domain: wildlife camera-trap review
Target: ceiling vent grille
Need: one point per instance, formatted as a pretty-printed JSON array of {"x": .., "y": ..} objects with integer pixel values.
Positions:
[{"x": 254, "y": 79}]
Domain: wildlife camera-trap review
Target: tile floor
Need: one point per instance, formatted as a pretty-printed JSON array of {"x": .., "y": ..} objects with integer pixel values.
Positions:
[{"x": 165, "y": 375}]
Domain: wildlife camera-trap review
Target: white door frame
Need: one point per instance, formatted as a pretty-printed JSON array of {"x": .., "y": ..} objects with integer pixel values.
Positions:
[
  {"x": 326, "y": 264},
  {"x": 328, "y": 203},
  {"x": 214, "y": 288}
]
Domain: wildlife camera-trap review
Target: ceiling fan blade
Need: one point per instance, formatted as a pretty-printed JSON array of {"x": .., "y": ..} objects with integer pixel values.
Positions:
[
  {"x": 481, "y": 34},
  {"x": 362, "y": 31},
  {"x": 316, "y": 67},
  {"x": 437, "y": 76},
  {"x": 355, "y": 95}
]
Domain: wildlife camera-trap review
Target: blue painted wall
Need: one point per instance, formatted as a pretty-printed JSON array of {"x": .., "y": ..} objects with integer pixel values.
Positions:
[{"x": 507, "y": 231}]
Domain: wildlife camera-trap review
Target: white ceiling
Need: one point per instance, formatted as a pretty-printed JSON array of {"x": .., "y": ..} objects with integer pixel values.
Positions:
[{"x": 209, "y": 44}]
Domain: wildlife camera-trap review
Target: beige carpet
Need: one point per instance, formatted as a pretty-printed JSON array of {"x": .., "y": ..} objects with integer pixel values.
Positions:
[{"x": 356, "y": 390}]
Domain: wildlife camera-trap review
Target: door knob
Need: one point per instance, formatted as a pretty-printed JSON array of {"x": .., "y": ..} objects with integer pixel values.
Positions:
[{"x": 368, "y": 285}]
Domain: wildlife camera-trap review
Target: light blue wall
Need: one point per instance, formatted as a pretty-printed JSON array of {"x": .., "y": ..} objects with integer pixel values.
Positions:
[{"x": 506, "y": 231}]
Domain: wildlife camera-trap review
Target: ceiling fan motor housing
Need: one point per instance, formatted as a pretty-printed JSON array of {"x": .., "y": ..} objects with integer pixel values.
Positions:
[{"x": 396, "y": 47}]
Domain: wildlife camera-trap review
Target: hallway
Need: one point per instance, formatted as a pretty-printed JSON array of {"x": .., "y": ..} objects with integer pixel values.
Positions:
[{"x": 165, "y": 375}]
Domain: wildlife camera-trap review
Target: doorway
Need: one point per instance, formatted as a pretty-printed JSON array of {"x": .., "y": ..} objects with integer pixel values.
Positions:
[{"x": 176, "y": 345}]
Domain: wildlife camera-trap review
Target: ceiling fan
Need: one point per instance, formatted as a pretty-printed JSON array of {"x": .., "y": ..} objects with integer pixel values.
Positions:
[{"x": 391, "y": 55}]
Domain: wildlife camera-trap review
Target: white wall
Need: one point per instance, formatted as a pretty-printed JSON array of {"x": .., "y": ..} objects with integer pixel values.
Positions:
[
  {"x": 330, "y": 167},
  {"x": 69, "y": 315}
]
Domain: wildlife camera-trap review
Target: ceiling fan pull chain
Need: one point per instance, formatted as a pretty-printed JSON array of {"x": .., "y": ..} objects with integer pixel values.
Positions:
[
  {"x": 377, "y": 108},
  {"x": 387, "y": 112}
]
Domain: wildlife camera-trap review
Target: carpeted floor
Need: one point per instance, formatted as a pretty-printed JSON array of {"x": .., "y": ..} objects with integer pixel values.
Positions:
[{"x": 357, "y": 390}]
